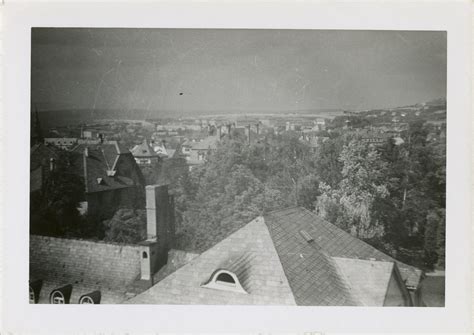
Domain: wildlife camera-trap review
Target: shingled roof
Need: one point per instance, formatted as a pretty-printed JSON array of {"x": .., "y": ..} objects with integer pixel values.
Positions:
[
  {"x": 143, "y": 150},
  {"x": 208, "y": 143},
  {"x": 291, "y": 249},
  {"x": 333, "y": 240},
  {"x": 249, "y": 253},
  {"x": 101, "y": 166}
]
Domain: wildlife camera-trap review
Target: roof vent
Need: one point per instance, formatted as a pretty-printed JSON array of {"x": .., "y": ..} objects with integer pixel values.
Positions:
[{"x": 306, "y": 236}]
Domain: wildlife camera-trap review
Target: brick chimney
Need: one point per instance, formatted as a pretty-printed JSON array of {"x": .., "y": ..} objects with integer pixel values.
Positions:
[
  {"x": 159, "y": 228},
  {"x": 159, "y": 215}
]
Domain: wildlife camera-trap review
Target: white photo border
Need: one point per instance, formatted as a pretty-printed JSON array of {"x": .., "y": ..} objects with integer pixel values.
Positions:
[{"x": 19, "y": 17}]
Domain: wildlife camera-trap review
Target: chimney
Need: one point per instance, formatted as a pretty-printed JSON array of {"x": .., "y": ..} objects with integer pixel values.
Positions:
[
  {"x": 159, "y": 215},
  {"x": 52, "y": 164},
  {"x": 248, "y": 133}
]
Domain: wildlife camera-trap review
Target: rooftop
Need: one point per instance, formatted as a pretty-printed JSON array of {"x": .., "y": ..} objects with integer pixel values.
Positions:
[
  {"x": 209, "y": 142},
  {"x": 287, "y": 257},
  {"x": 100, "y": 163},
  {"x": 143, "y": 150}
]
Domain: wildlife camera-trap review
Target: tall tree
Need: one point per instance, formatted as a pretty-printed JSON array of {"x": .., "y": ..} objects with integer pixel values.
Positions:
[{"x": 362, "y": 183}]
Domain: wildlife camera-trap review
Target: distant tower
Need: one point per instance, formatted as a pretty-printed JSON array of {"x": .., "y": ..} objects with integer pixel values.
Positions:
[{"x": 36, "y": 131}]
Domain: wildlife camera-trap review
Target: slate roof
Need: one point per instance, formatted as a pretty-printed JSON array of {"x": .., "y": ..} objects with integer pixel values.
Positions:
[
  {"x": 209, "y": 142},
  {"x": 290, "y": 250},
  {"x": 249, "y": 253},
  {"x": 311, "y": 273},
  {"x": 100, "y": 159},
  {"x": 143, "y": 150},
  {"x": 335, "y": 241}
]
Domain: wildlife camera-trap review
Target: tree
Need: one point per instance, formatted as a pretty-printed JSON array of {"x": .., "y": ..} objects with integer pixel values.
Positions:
[
  {"x": 54, "y": 211},
  {"x": 362, "y": 183},
  {"x": 327, "y": 163},
  {"x": 126, "y": 226}
]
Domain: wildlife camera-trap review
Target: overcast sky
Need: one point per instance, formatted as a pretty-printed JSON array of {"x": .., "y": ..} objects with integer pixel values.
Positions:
[{"x": 235, "y": 70}]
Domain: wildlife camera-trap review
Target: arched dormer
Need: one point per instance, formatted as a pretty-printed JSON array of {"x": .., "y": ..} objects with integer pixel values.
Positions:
[
  {"x": 35, "y": 288},
  {"x": 61, "y": 295},
  {"x": 90, "y": 298},
  {"x": 224, "y": 280}
]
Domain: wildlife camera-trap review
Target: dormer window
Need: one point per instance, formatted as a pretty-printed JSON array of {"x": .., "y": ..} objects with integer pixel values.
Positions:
[
  {"x": 32, "y": 296},
  {"x": 224, "y": 280},
  {"x": 35, "y": 288},
  {"x": 57, "y": 298},
  {"x": 111, "y": 173},
  {"x": 61, "y": 295},
  {"x": 86, "y": 300},
  {"x": 90, "y": 298}
]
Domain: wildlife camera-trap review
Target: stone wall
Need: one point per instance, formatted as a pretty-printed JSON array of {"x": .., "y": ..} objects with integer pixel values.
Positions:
[{"x": 83, "y": 262}]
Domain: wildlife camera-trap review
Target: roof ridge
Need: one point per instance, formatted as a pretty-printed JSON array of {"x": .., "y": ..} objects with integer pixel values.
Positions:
[{"x": 282, "y": 209}]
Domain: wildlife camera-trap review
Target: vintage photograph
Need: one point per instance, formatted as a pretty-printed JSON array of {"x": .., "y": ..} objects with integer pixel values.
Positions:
[{"x": 238, "y": 167}]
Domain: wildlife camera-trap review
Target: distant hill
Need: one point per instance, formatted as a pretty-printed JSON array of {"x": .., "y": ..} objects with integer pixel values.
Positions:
[
  {"x": 58, "y": 118},
  {"x": 436, "y": 102}
]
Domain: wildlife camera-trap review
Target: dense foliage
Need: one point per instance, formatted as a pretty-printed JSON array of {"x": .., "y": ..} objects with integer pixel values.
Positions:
[
  {"x": 54, "y": 210},
  {"x": 393, "y": 196}
]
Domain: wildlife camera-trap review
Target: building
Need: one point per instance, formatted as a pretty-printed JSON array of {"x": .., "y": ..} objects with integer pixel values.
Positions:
[
  {"x": 72, "y": 271},
  {"x": 144, "y": 153},
  {"x": 286, "y": 257},
  {"x": 197, "y": 151},
  {"x": 112, "y": 179},
  {"x": 61, "y": 142}
]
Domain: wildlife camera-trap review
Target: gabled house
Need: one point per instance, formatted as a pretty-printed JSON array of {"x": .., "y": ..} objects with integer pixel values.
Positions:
[
  {"x": 196, "y": 152},
  {"x": 287, "y": 257},
  {"x": 61, "y": 142},
  {"x": 144, "y": 153},
  {"x": 111, "y": 176}
]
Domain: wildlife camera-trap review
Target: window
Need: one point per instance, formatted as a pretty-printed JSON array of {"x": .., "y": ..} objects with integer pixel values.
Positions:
[
  {"x": 91, "y": 298},
  {"x": 145, "y": 255},
  {"x": 86, "y": 300},
  {"x": 32, "y": 296},
  {"x": 225, "y": 278},
  {"x": 57, "y": 298}
]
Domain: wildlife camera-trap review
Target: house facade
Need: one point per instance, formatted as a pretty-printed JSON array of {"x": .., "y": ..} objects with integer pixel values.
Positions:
[{"x": 144, "y": 153}]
